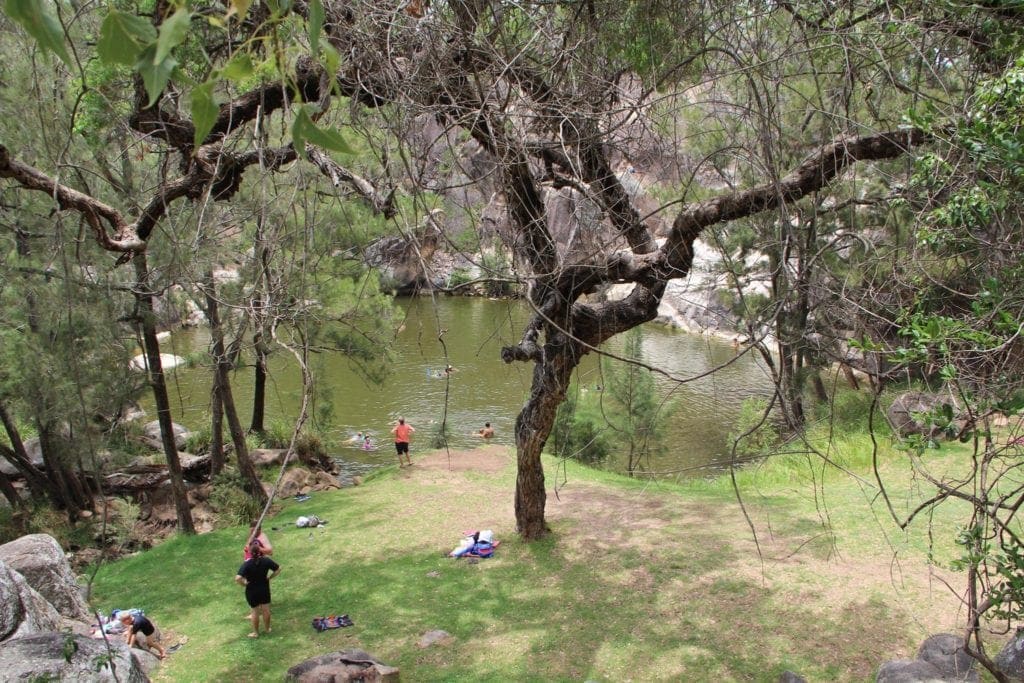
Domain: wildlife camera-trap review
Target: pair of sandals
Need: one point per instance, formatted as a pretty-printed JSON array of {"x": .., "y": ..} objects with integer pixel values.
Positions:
[{"x": 324, "y": 623}]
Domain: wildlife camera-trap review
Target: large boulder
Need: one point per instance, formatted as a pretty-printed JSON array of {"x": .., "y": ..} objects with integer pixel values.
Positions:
[
  {"x": 23, "y": 611},
  {"x": 909, "y": 671},
  {"x": 1010, "y": 659},
  {"x": 293, "y": 481},
  {"x": 41, "y": 560},
  {"x": 267, "y": 457},
  {"x": 65, "y": 657},
  {"x": 908, "y": 413},
  {"x": 946, "y": 652},
  {"x": 339, "y": 667},
  {"x": 152, "y": 431},
  {"x": 940, "y": 658}
]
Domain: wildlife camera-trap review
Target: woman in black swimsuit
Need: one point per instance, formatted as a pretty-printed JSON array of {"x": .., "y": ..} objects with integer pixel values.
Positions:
[{"x": 255, "y": 574}]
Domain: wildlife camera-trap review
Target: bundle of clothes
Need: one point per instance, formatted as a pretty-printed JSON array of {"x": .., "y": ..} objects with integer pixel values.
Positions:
[
  {"x": 476, "y": 544},
  {"x": 309, "y": 522},
  {"x": 322, "y": 624}
]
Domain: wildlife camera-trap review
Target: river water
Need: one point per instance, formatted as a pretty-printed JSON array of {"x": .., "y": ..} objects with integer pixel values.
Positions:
[{"x": 700, "y": 412}]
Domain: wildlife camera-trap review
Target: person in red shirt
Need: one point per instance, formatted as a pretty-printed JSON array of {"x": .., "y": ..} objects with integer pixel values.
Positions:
[{"x": 402, "y": 431}]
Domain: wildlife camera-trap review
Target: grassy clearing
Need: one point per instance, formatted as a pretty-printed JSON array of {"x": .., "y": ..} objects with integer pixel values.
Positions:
[{"x": 640, "y": 581}]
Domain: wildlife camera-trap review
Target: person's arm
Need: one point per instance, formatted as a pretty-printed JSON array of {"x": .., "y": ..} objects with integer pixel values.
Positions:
[
  {"x": 241, "y": 580},
  {"x": 273, "y": 573}
]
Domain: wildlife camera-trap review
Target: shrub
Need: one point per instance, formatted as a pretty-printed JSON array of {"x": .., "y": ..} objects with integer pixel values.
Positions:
[
  {"x": 577, "y": 435},
  {"x": 39, "y": 519},
  {"x": 763, "y": 437},
  {"x": 849, "y": 409},
  {"x": 228, "y": 498},
  {"x": 198, "y": 441},
  {"x": 278, "y": 434}
]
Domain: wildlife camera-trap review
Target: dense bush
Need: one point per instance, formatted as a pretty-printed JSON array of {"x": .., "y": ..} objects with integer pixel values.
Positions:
[
  {"x": 577, "y": 435},
  {"x": 229, "y": 499}
]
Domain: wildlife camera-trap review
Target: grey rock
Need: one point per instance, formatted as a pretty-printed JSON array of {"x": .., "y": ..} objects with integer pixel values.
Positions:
[
  {"x": 790, "y": 677},
  {"x": 61, "y": 657},
  {"x": 41, "y": 560},
  {"x": 946, "y": 652},
  {"x": 152, "y": 431},
  {"x": 907, "y": 413},
  {"x": 1010, "y": 659},
  {"x": 338, "y": 667},
  {"x": 910, "y": 671},
  {"x": 267, "y": 457},
  {"x": 23, "y": 611},
  {"x": 293, "y": 481},
  {"x": 35, "y": 455}
]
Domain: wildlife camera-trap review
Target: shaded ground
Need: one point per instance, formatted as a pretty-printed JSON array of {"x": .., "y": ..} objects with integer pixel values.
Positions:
[{"x": 699, "y": 561}]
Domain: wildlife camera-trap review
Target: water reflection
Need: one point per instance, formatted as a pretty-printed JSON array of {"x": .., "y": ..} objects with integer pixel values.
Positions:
[{"x": 482, "y": 388}]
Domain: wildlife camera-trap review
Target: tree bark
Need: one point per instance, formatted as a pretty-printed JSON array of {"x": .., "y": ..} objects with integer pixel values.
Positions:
[
  {"x": 259, "y": 388},
  {"x": 147, "y": 325},
  {"x": 216, "y": 427},
  {"x": 533, "y": 426},
  {"x": 38, "y": 483},
  {"x": 250, "y": 477},
  {"x": 10, "y": 493},
  {"x": 67, "y": 481}
]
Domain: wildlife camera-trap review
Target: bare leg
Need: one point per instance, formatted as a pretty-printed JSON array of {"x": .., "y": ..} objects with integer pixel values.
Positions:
[
  {"x": 254, "y": 619},
  {"x": 266, "y": 617}
]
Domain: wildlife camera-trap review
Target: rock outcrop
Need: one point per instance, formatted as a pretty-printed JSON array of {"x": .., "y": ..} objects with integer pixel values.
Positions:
[
  {"x": 1010, "y": 659},
  {"x": 41, "y": 560},
  {"x": 909, "y": 413},
  {"x": 940, "y": 658},
  {"x": 23, "y": 611},
  {"x": 338, "y": 667},
  {"x": 66, "y": 657}
]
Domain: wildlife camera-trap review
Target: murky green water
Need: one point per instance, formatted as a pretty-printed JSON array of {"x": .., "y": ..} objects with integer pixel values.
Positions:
[{"x": 483, "y": 389}]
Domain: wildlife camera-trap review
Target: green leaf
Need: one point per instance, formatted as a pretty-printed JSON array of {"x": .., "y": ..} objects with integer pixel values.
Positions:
[
  {"x": 316, "y": 23},
  {"x": 204, "y": 111},
  {"x": 304, "y": 130},
  {"x": 239, "y": 68},
  {"x": 123, "y": 37},
  {"x": 172, "y": 34},
  {"x": 299, "y": 126},
  {"x": 155, "y": 75},
  {"x": 330, "y": 59},
  {"x": 35, "y": 17}
]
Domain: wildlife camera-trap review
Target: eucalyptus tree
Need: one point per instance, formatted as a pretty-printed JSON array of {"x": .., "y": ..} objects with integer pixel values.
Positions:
[{"x": 539, "y": 89}]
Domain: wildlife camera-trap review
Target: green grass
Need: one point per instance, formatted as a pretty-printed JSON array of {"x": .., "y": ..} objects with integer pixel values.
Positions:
[{"x": 639, "y": 581}]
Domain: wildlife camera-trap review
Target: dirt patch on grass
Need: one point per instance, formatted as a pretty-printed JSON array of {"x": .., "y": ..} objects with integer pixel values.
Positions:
[
  {"x": 697, "y": 568},
  {"x": 487, "y": 459}
]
